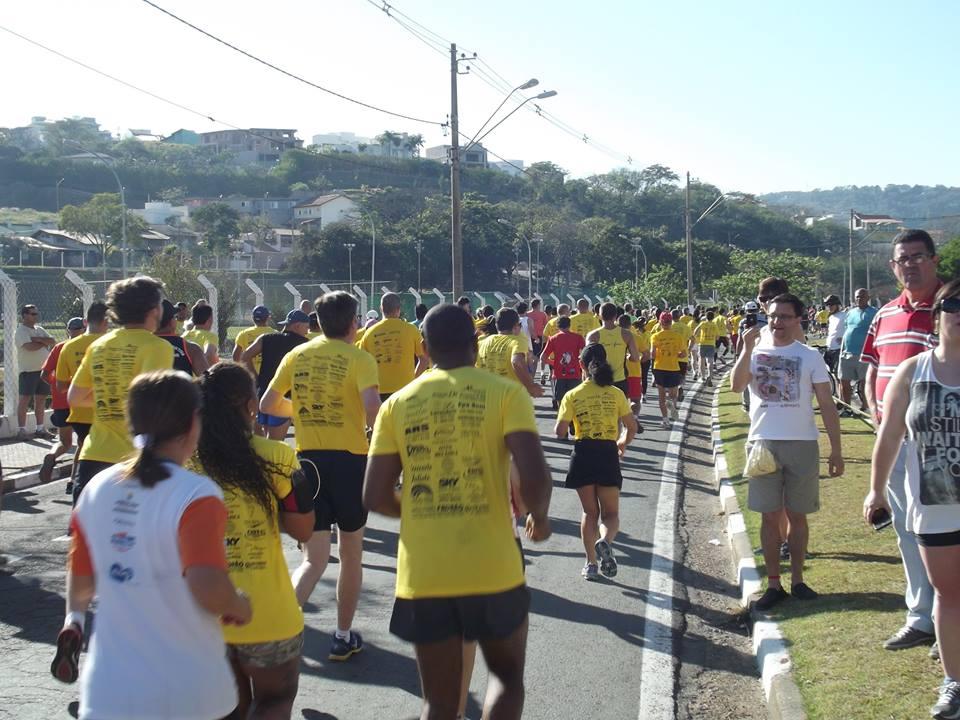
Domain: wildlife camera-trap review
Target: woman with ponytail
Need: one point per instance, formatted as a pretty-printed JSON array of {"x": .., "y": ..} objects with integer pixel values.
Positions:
[
  {"x": 603, "y": 425},
  {"x": 147, "y": 537},
  {"x": 264, "y": 490}
]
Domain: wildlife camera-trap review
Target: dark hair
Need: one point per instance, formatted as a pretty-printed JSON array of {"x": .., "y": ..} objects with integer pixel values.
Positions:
[
  {"x": 181, "y": 305},
  {"x": 447, "y": 329},
  {"x": 788, "y": 299},
  {"x": 96, "y": 313},
  {"x": 624, "y": 321},
  {"x": 487, "y": 311},
  {"x": 420, "y": 311},
  {"x": 563, "y": 322},
  {"x": 521, "y": 308},
  {"x": 594, "y": 359},
  {"x": 200, "y": 314},
  {"x": 463, "y": 300},
  {"x": 914, "y": 236},
  {"x": 596, "y": 308},
  {"x": 710, "y": 315},
  {"x": 772, "y": 286},
  {"x": 168, "y": 311},
  {"x": 390, "y": 302},
  {"x": 583, "y": 302},
  {"x": 225, "y": 451},
  {"x": 947, "y": 290},
  {"x": 336, "y": 311},
  {"x": 24, "y": 309},
  {"x": 132, "y": 299},
  {"x": 160, "y": 407},
  {"x": 314, "y": 322},
  {"x": 535, "y": 303},
  {"x": 608, "y": 311},
  {"x": 507, "y": 320}
]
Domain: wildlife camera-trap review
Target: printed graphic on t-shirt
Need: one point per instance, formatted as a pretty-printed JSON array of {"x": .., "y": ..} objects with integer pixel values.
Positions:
[
  {"x": 318, "y": 383},
  {"x": 777, "y": 379},
  {"x": 114, "y": 369},
  {"x": 934, "y": 418}
]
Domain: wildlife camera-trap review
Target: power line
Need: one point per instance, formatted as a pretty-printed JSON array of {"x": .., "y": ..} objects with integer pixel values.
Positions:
[{"x": 289, "y": 74}]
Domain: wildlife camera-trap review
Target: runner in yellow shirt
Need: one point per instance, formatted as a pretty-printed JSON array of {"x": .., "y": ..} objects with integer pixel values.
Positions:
[
  {"x": 723, "y": 334},
  {"x": 686, "y": 332},
  {"x": 202, "y": 318},
  {"x": 245, "y": 338},
  {"x": 618, "y": 343},
  {"x": 584, "y": 321},
  {"x": 667, "y": 347},
  {"x": 705, "y": 336},
  {"x": 397, "y": 347},
  {"x": 505, "y": 354}
]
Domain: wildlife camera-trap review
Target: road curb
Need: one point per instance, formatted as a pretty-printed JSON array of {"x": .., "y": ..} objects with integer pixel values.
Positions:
[
  {"x": 773, "y": 658},
  {"x": 31, "y": 478}
]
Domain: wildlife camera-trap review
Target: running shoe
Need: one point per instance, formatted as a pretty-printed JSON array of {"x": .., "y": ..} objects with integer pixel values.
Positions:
[
  {"x": 666, "y": 424},
  {"x": 608, "y": 563},
  {"x": 674, "y": 413},
  {"x": 589, "y": 572},
  {"x": 41, "y": 433},
  {"x": 709, "y": 382},
  {"x": 66, "y": 663},
  {"x": 341, "y": 650},
  {"x": 46, "y": 470},
  {"x": 771, "y": 597},
  {"x": 802, "y": 591},
  {"x": 22, "y": 434},
  {"x": 934, "y": 652},
  {"x": 908, "y": 637},
  {"x": 948, "y": 701}
]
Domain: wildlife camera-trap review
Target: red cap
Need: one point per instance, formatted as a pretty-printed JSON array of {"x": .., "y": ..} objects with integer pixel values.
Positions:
[{"x": 664, "y": 316}]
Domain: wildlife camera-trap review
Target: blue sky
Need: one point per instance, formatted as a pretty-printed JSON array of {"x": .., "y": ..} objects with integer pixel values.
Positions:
[{"x": 752, "y": 96}]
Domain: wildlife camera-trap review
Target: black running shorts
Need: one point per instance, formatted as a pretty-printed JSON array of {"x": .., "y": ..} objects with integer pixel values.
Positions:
[
  {"x": 472, "y": 617},
  {"x": 338, "y": 476}
]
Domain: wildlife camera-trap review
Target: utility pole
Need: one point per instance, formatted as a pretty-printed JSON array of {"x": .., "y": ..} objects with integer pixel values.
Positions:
[
  {"x": 456, "y": 235},
  {"x": 850, "y": 255},
  {"x": 689, "y": 238}
]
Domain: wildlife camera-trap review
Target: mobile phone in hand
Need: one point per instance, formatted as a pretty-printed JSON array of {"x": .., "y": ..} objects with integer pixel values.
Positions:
[{"x": 880, "y": 519}]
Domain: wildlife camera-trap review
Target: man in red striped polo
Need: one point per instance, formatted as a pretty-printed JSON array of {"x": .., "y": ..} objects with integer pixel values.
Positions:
[{"x": 901, "y": 329}]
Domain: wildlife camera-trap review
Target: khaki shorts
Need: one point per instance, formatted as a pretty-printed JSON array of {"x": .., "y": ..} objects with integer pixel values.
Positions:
[
  {"x": 267, "y": 654},
  {"x": 852, "y": 369},
  {"x": 795, "y": 484}
]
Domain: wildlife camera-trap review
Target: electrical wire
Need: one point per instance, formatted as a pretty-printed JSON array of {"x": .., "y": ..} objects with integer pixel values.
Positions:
[{"x": 289, "y": 74}]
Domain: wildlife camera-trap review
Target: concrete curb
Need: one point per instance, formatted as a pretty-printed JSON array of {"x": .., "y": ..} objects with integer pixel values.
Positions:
[
  {"x": 773, "y": 658},
  {"x": 31, "y": 478}
]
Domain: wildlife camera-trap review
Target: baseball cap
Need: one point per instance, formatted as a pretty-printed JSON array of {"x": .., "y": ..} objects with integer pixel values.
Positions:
[
  {"x": 751, "y": 307},
  {"x": 372, "y": 315},
  {"x": 75, "y": 323},
  {"x": 296, "y": 316},
  {"x": 831, "y": 300},
  {"x": 261, "y": 312},
  {"x": 664, "y": 316}
]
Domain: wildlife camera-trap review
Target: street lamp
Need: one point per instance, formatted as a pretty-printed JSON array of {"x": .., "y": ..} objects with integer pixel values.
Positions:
[
  {"x": 637, "y": 246},
  {"x": 123, "y": 205},
  {"x": 538, "y": 239},
  {"x": 529, "y": 256},
  {"x": 350, "y": 247},
  {"x": 58, "y": 193},
  {"x": 419, "y": 247}
]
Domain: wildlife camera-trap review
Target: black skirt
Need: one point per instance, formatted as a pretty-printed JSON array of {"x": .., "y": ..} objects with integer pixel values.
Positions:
[{"x": 594, "y": 462}]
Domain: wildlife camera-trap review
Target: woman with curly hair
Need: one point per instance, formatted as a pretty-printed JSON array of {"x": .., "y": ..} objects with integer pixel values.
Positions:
[{"x": 264, "y": 490}]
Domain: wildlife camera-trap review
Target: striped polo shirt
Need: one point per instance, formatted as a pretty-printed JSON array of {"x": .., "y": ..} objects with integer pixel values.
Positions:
[{"x": 899, "y": 331}]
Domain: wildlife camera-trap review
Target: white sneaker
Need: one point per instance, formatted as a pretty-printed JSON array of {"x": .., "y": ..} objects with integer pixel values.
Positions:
[
  {"x": 674, "y": 413},
  {"x": 666, "y": 424}
]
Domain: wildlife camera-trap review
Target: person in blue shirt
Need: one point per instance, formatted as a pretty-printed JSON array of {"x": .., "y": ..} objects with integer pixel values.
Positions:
[{"x": 852, "y": 371}]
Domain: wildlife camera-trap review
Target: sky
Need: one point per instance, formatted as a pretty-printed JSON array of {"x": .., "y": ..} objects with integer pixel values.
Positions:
[{"x": 749, "y": 96}]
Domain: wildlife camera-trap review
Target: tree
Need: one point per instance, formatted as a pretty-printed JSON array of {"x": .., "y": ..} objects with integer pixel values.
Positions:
[
  {"x": 949, "y": 253},
  {"x": 219, "y": 223},
  {"x": 800, "y": 271},
  {"x": 663, "y": 282},
  {"x": 101, "y": 220},
  {"x": 655, "y": 177}
]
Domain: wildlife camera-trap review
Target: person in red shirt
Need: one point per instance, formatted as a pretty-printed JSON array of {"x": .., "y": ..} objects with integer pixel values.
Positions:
[
  {"x": 59, "y": 405},
  {"x": 901, "y": 329},
  {"x": 562, "y": 354}
]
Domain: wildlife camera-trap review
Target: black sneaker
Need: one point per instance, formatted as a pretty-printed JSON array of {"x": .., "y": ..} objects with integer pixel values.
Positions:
[
  {"x": 802, "y": 591},
  {"x": 770, "y": 598},
  {"x": 908, "y": 637},
  {"x": 341, "y": 650},
  {"x": 66, "y": 663},
  {"x": 948, "y": 702}
]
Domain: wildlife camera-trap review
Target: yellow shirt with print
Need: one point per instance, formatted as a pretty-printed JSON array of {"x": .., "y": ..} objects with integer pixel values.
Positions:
[
  {"x": 551, "y": 328},
  {"x": 109, "y": 366},
  {"x": 68, "y": 363},
  {"x": 667, "y": 347},
  {"x": 651, "y": 324},
  {"x": 686, "y": 332},
  {"x": 255, "y": 554},
  {"x": 642, "y": 339},
  {"x": 583, "y": 323},
  {"x": 202, "y": 338},
  {"x": 721, "y": 322},
  {"x": 325, "y": 378},
  {"x": 456, "y": 526},
  {"x": 688, "y": 320},
  {"x": 616, "y": 349},
  {"x": 246, "y": 337},
  {"x": 395, "y": 345},
  {"x": 496, "y": 354},
  {"x": 594, "y": 411},
  {"x": 735, "y": 322},
  {"x": 706, "y": 333}
]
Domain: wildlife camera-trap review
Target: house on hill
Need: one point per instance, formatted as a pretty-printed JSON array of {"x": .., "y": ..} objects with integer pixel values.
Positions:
[{"x": 325, "y": 209}]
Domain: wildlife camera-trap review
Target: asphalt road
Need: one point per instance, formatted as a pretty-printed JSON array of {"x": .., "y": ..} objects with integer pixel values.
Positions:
[{"x": 586, "y": 639}]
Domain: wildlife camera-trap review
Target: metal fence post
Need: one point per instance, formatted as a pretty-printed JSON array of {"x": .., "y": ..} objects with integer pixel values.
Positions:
[
  {"x": 501, "y": 297},
  {"x": 481, "y": 298},
  {"x": 213, "y": 299},
  {"x": 10, "y": 370},
  {"x": 257, "y": 292},
  {"x": 556, "y": 300},
  {"x": 86, "y": 291},
  {"x": 297, "y": 299},
  {"x": 363, "y": 300},
  {"x": 439, "y": 295},
  {"x": 416, "y": 295}
]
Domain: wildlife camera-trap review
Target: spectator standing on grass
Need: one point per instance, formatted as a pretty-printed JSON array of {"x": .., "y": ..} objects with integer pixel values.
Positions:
[
  {"x": 852, "y": 369},
  {"x": 901, "y": 329},
  {"x": 835, "y": 332},
  {"x": 782, "y": 376},
  {"x": 923, "y": 400},
  {"x": 33, "y": 346},
  {"x": 59, "y": 405}
]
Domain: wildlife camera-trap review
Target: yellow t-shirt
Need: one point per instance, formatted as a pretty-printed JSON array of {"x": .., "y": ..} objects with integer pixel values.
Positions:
[
  {"x": 395, "y": 345},
  {"x": 735, "y": 323},
  {"x": 616, "y": 347},
  {"x": 651, "y": 324},
  {"x": 202, "y": 338},
  {"x": 687, "y": 320},
  {"x": 360, "y": 334},
  {"x": 255, "y": 555},
  {"x": 245, "y": 339},
  {"x": 706, "y": 333},
  {"x": 325, "y": 378},
  {"x": 823, "y": 317},
  {"x": 551, "y": 328},
  {"x": 311, "y": 334},
  {"x": 642, "y": 339},
  {"x": 496, "y": 354},
  {"x": 686, "y": 332},
  {"x": 109, "y": 366},
  {"x": 456, "y": 523},
  {"x": 667, "y": 348},
  {"x": 71, "y": 354},
  {"x": 594, "y": 411},
  {"x": 583, "y": 323}
]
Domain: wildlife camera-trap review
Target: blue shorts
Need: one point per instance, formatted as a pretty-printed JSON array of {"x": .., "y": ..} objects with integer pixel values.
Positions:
[{"x": 271, "y": 420}]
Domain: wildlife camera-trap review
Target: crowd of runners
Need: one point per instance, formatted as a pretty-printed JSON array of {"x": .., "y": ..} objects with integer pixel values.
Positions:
[{"x": 183, "y": 481}]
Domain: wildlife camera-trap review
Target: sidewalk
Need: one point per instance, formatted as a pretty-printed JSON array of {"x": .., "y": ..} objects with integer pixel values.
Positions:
[{"x": 22, "y": 459}]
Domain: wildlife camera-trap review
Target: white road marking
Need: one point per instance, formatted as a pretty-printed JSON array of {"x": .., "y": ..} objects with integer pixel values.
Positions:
[
  {"x": 62, "y": 538},
  {"x": 657, "y": 661}
]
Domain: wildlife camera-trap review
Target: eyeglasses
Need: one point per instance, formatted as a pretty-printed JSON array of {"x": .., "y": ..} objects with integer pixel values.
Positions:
[
  {"x": 915, "y": 259},
  {"x": 777, "y": 317},
  {"x": 950, "y": 305}
]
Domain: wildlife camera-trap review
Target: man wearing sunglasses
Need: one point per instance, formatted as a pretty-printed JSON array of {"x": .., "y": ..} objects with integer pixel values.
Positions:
[
  {"x": 33, "y": 345},
  {"x": 901, "y": 329}
]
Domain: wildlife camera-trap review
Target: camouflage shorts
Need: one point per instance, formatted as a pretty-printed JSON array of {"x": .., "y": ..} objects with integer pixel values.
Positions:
[{"x": 268, "y": 654}]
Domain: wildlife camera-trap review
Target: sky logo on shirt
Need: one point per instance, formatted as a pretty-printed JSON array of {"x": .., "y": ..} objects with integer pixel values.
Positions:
[
  {"x": 121, "y": 574},
  {"x": 122, "y": 541}
]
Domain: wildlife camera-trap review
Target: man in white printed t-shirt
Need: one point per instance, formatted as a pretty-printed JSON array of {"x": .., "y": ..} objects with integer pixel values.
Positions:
[{"x": 782, "y": 378}]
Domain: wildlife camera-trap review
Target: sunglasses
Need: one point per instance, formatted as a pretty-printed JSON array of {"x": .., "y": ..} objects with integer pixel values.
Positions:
[{"x": 949, "y": 305}]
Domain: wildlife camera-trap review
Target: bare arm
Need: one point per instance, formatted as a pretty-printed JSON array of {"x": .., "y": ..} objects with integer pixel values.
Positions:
[
  {"x": 214, "y": 592},
  {"x": 247, "y": 356},
  {"x": 536, "y": 484},
  {"x": 380, "y": 494},
  {"x": 740, "y": 377},
  {"x": 80, "y": 592},
  {"x": 632, "y": 353},
  {"x": 870, "y": 390},
  {"x": 39, "y": 343},
  {"x": 519, "y": 363},
  {"x": 80, "y": 396},
  {"x": 273, "y": 403},
  {"x": 212, "y": 354},
  {"x": 831, "y": 422},
  {"x": 371, "y": 403},
  {"x": 197, "y": 357},
  {"x": 237, "y": 352},
  {"x": 629, "y": 423},
  {"x": 889, "y": 437},
  {"x": 562, "y": 428}
]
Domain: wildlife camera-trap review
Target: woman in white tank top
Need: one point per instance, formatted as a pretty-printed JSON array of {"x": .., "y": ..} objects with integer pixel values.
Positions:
[
  {"x": 923, "y": 400},
  {"x": 148, "y": 540}
]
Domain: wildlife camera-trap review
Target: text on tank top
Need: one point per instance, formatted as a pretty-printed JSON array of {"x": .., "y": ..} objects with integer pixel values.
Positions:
[
  {"x": 933, "y": 423},
  {"x": 274, "y": 347}
]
